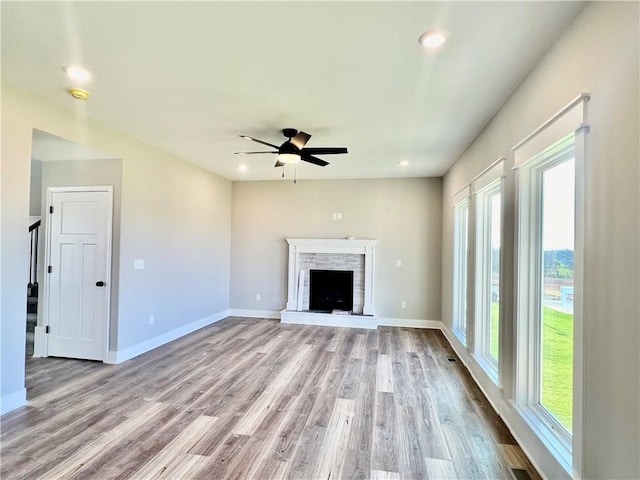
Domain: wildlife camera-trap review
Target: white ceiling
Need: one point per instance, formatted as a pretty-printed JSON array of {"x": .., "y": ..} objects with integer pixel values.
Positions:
[{"x": 189, "y": 77}]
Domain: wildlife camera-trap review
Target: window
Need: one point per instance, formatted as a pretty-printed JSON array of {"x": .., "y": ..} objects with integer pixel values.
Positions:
[
  {"x": 487, "y": 288},
  {"x": 487, "y": 188},
  {"x": 549, "y": 282},
  {"x": 460, "y": 264},
  {"x": 554, "y": 320}
]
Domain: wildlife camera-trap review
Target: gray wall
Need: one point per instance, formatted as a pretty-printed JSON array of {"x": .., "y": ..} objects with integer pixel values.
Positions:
[
  {"x": 14, "y": 254},
  {"x": 177, "y": 218},
  {"x": 598, "y": 54},
  {"x": 36, "y": 188},
  {"x": 85, "y": 173},
  {"x": 174, "y": 215},
  {"x": 404, "y": 215}
]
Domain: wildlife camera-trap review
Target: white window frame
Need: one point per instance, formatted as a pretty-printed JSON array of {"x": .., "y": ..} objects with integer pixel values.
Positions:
[
  {"x": 486, "y": 184},
  {"x": 559, "y": 139},
  {"x": 461, "y": 219}
]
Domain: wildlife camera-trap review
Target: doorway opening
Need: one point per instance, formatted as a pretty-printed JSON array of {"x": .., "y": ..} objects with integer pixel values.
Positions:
[{"x": 59, "y": 165}]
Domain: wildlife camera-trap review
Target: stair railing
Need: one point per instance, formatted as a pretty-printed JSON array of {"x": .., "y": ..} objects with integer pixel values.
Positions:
[{"x": 34, "y": 232}]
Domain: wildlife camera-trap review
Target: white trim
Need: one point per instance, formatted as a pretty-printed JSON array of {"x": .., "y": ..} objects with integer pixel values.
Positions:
[
  {"x": 240, "y": 312},
  {"x": 492, "y": 183},
  {"x": 461, "y": 350},
  {"x": 516, "y": 424},
  {"x": 120, "y": 356},
  {"x": 460, "y": 195},
  {"x": 354, "y": 321},
  {"x": 39, "y": 342},
  {"x": 328, "y": 319},
  {"x": 580, "y": 316},
  {"x": 580, "y": 99},
  {"x": 297, "y": 246},
  {"x": 409, "y": 323},
  {"x": 460, "y": 287},
  {"x": 562, "y": 138},
  {"x": 13, "y": 400},
  {"x": 489, "y": 174},
  {"x": 44, "y": 348}
]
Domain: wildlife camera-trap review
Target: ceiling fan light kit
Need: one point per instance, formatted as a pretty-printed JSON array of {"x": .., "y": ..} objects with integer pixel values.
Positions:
[
  {"x": 289, "y": 153},
  {"x": 293, "y": 150}
]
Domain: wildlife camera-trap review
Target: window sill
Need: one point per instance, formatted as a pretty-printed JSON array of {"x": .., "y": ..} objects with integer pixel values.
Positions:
[
  {"x": 559, "y": 446},
  {"x": 460, "y": 335},
  {"x": 489, "y": 368}
]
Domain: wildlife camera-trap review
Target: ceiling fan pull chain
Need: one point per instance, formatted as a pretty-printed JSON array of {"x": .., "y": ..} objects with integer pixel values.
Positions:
[
  {"x": 283, "y": 171},
  {"x": 295, "y": 174}
]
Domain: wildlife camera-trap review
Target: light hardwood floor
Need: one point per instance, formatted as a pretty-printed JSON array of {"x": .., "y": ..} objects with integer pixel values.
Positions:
[{"x": 256, "y": 399}]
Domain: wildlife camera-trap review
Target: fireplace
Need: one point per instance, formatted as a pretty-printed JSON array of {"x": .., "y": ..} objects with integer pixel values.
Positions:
[
  {"x": 330, "y": 290},
  {"x": 351, "y": 255}
]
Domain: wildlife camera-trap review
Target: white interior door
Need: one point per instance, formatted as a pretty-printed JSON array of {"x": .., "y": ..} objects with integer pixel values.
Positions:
[{"x": 79, "y": 232}]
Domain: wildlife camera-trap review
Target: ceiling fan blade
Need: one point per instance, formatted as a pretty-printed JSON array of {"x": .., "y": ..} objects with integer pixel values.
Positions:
[
  {"x": 325, "y": 150},
  {"x": 314, "y": 160},
  {"x": 259, "y": 141},
  {"x": 279, "y": 164},
  {"x": 251, "y": 153},
  {"x": 301, "y": 139}
]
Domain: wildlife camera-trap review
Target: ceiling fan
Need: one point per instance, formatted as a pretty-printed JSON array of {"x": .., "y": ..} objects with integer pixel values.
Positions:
[{"x": 293, "y": 150}]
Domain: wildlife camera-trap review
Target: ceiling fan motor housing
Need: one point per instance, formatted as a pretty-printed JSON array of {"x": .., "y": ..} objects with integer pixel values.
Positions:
[
  {"x": 289, "y": 132},
  {"x": 288, "y": 147}
]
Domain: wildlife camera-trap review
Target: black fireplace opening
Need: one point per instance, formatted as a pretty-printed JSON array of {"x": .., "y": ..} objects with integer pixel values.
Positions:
[{"x": 330, "y": 290}]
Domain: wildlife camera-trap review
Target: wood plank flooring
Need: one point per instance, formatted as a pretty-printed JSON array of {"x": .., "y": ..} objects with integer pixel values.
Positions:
[{"x": 256, "y": 399}]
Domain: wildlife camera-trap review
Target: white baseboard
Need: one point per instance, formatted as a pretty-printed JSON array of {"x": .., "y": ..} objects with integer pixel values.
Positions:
[
  {"x": 408, "y": 322},
  {"x": 457, "y": 345},
  {"x": 239, "y": 312},
  {"x": 120, "y": 356},
  {"x": 12, "y": 401},
  {"x": 509, "y": 415}
]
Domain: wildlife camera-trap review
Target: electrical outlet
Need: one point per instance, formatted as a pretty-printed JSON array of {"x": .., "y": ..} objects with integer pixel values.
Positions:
[
  {"x": 257, "y": 297},
  {"x": 403, "y": 304},
  {"x": 138, "y": 264},
  {"x": 152, "y": 319}
]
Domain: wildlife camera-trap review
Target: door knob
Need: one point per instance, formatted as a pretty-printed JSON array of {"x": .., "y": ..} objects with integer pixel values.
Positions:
[{"x": 100, "y": 284}]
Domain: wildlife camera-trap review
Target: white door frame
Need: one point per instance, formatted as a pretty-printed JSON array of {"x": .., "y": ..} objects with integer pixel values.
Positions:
[{"x": 44, "y": 351}]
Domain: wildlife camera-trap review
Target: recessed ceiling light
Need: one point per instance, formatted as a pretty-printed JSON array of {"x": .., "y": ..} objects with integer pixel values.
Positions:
[
  {"x": 77, "y": 73},
  {"x": 242, "y": 168},
  {"x": 403, "y": 163},
  {"x": 79, "y": 93},
  {"x": 432, "y": 39}
]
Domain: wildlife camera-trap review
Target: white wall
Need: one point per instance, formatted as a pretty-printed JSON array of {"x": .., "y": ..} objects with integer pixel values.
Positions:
[
  {"x": 599, "y": 54},
  {"x": 174, "y": 215},
  {"x": 404, "y": 215}
]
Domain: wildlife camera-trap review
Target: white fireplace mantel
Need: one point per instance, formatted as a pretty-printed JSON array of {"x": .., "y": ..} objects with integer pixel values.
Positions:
[{"x": 299, "y": 246}]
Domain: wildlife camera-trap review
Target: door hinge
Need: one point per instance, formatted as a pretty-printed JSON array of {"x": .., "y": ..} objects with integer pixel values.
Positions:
[
  {"x": 51, "y": 209},
  {"x": 49, "y": 269},
  {"x": 46, "y": 329}
]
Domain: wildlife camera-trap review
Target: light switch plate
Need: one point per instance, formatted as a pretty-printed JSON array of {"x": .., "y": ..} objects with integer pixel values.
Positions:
[{"x": 138, "y": 264}]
